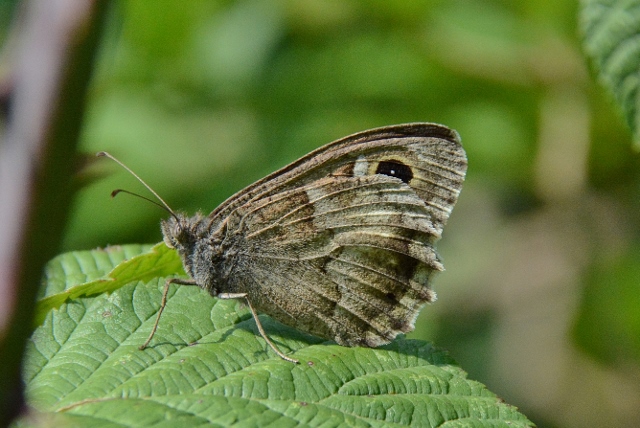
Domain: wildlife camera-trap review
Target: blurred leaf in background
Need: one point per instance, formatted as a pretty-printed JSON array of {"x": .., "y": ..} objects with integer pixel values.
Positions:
[{"x": 202, "y": 99}]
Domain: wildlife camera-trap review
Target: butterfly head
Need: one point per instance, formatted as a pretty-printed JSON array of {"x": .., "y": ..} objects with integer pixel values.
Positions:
[
  {"x": 199, "y": 248},
  {"x": 180, "y": 231}
]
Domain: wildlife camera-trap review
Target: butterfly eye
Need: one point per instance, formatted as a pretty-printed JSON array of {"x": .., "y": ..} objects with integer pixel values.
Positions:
[{"x": 394, "y": 168}]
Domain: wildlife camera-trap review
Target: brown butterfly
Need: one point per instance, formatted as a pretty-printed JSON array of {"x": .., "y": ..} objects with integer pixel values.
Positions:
[{"x": 339, "y": 244}]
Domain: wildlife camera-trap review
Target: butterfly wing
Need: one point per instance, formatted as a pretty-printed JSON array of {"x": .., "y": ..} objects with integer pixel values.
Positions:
[
  {"x": 341, "y": 243},
  {"x": 438, "y": 163}
]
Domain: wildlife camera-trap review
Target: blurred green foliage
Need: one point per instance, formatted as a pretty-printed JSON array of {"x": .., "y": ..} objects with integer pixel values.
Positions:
[
  {"x": 608, "y": 324},
  {"x": 202, "y": 98},
  {"x": 212, "y": 96}
]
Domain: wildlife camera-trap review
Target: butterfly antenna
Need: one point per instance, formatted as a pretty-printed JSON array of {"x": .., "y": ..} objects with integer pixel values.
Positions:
[
  {"x": 164, "y": 205},
  {"x": 115, "y": 193}
]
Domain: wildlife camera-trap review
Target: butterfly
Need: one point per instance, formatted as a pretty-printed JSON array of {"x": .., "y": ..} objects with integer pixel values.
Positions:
[{"x": 339, "y": 244}]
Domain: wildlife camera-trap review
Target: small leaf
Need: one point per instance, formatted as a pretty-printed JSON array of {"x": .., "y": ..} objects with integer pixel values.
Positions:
[
  {"x": 611, "y": 30},
  {"x": 89, "y": 268},
  {"x": 207, "y": 365}
]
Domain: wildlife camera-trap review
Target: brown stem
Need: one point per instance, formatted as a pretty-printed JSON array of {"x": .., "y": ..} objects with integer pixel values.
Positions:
[{"x": 53, "y": 61}]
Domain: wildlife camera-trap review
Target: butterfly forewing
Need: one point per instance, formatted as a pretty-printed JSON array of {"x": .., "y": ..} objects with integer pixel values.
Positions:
[{"x": 437, "y": 149}]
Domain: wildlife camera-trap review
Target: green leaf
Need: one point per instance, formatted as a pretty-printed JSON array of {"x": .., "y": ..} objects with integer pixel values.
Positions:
[
  {"x": 207, "y": 364},
  {"x": 610, "y": 29},
  {"x": 88, "y": 269}
]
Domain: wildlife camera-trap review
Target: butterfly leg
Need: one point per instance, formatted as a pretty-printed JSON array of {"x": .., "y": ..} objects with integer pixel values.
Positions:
[
  {"x": 258, "y": 323},
  {"x": 164, "y": 303}
]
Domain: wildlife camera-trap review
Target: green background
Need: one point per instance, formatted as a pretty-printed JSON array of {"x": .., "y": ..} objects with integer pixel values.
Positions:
[{"x": 540, "y": 297}]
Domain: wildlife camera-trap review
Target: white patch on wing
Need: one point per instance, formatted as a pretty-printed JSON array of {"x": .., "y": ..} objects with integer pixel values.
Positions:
[{"x": 361, "y": 167}]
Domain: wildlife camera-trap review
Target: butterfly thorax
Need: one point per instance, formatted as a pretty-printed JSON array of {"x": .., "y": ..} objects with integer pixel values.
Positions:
[{"x": 199, "y": 247}]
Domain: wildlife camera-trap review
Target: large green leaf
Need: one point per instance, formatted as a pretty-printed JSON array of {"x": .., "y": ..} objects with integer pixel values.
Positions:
[
  {"x": 208, "y": 366},
  {"x": 610, "y": 29}
]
